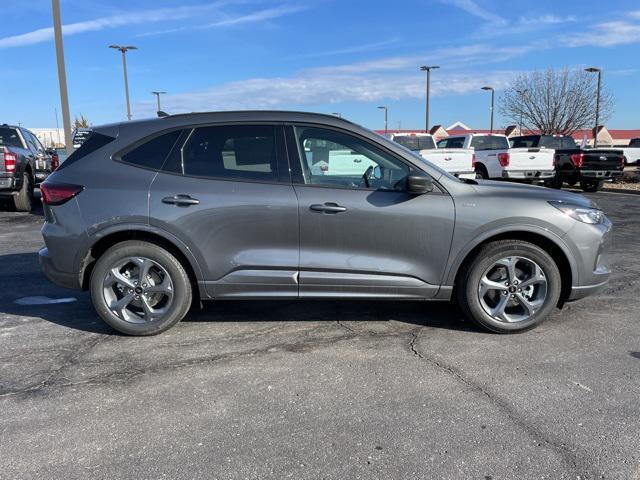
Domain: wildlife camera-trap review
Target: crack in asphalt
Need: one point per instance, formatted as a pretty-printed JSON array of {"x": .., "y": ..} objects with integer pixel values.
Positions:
[{"x": 579, "y": 465}]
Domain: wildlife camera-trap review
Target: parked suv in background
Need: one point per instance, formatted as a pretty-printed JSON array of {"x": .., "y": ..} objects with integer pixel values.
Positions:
[
  {"x": 152, "y": 215},
  {"x": 23, "y": 162}
]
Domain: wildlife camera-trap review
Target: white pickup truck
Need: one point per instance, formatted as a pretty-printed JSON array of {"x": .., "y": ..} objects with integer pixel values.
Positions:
[
  {"x": 494, "y": 157},
  {"x": 455, "y": 161},
  {"x": 631, "y": 152}
]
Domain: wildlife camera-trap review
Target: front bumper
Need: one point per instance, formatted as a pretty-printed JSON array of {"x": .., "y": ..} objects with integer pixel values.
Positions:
[
  {"x": 62, "y": 279},
  {"x": 581, "y": 292},
  {"x": 528, "y": 174}
]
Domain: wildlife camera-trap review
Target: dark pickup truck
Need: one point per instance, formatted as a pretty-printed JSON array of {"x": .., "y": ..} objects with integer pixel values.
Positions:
[
  {"x": 23, "y": 163},
  {"x": 590, "y": 167}
]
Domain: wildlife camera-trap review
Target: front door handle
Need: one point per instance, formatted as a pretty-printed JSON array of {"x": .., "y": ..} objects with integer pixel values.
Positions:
[
  {"x": 328, "y": 207},
  {"x": 181, "y": 200}
]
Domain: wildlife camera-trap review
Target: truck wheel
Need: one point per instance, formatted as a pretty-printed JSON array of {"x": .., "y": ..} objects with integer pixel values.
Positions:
[
  {"x": 509, "y": 286},
  {"x": 23, "y": 200},
  {"x": 555, "y": 182},
  {"x": 139, "y": 288},
  {"x": 481, "y": 172},
  {"x": 591, "y": 185}
]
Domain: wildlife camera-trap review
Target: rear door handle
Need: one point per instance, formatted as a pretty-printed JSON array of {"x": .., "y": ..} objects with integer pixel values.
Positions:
[
  {"x": 328, "y": 207},
  {"x": 181, "y": 200}
]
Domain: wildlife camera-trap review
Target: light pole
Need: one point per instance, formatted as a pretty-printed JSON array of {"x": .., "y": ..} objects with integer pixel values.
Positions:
[
  {"x": 157, "y": 94},
  {"x": 62, "y": 76},
  {"x": 386, "y": 117},
  {"x": 428, "y": 69},
  {"x": 124, "y": 50},
  {"x": 522, "y": 93},
  {"x": 493, "y": 98},
  {"x": 599, "y": 72}
]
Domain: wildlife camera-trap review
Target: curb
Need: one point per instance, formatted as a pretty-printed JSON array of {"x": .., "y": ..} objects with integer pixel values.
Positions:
[{"x": 620, "y": 190}]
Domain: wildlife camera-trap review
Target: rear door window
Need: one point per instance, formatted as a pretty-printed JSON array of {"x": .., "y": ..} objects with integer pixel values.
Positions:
[{"x": 234, "y": 152}]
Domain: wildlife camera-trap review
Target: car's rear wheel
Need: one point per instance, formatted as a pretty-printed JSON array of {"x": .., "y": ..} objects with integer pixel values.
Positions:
[
  {"x": 481, "y": 172},
  {"x": 23, "y": 200},
  {"x": 509, "y": 286},
  {"x": 140, "y": 288},
  {"x": 591, "y": 185},
  {"x": 555, "y": 182}
]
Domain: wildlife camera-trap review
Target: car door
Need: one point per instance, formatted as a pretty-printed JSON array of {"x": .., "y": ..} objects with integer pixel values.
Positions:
[
  {"x": 361, "y": 233},
  {"x": 224, "y": 192}
]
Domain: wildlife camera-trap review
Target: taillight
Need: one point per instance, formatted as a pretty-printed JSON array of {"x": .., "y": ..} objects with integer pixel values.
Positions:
[
  {"x": 473, "y": 161},
  {"x": 504, "y": 158},
  {"x": 10, "y": 160},
  {"x": 58, "y": 193},
  {"x": 577, "y": 159},
  {"x": 55, "y": 161}
]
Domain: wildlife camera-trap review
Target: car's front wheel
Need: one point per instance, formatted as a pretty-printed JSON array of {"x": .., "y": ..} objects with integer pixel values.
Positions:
[
  {"x": 139, "y": 288},
  {"x": 509, "y": 286}
]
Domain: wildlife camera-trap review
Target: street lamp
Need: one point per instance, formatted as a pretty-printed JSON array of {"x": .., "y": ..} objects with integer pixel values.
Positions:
[
  {"x": 599, "y": 72},
  {"x": 124, "y": 50},
  {"x": 386, "y": 117},
  {"x": 157, "y": 94},
  {"x": 522, "y": 93},
  {"x": 62, "y": 77},
  {"x": 428, "y": 69},
  {"x": 493, "y": 98}
]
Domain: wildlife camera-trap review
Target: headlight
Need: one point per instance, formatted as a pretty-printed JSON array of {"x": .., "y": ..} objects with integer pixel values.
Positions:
[{"x": 592, "y": 216}]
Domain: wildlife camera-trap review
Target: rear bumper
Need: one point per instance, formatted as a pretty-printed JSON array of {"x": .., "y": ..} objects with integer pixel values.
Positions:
[
  {"x": 7, "y": 185},
  {"x": 62, "y": 279},
  {"x": 528, "y": 174},
  {"x": 601, "y": 174}
]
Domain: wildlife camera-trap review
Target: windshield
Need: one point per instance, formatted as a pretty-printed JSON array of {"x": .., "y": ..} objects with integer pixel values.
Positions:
[
  {"x": 9, "y": 138},
  {"x": 415, "y": 142}
]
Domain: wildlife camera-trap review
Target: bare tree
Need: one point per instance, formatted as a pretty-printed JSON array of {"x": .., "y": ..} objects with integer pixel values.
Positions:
[
  {"x": 81, "y": 122},
  {"x": 555, "y": 101}
]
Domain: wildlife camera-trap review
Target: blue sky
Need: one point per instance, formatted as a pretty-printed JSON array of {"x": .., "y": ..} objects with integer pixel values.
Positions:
[{"x": 346, "y": 56}]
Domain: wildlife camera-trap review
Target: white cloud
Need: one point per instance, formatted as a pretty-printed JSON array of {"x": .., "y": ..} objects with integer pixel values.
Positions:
[
  {"x": 606, "y": 34},
  {"x": 367, "y": 47},
  {"x": 472, "y": 8},
  {"x": 133, "y": 18},
  {"x": 311, "y": 87}
]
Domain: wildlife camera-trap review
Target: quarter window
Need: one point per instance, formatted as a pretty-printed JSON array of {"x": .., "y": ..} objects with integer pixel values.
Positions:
[
  {"x": 153, "y": 153},
  {"x": 242, "y": 152},
  {"x": 332, "y": 158}
]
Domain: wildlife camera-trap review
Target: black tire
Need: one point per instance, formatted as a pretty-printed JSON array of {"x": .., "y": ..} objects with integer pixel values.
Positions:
[
  {"x": 591, "y": 185},
  {"x": 469, "y": 283},
  {"x": 555, "y": 182},
  {"x": 23, "y": 200},
  {"x": 481, "y": 172},
  {"x": 182, "y": 292}
]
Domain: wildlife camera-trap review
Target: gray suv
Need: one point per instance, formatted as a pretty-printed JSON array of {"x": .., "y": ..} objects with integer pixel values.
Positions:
[{"x": 152, "y": 216}]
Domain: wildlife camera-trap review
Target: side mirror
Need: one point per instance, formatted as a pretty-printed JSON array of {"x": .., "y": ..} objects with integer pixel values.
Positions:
[{"x": 419, "y": 184}]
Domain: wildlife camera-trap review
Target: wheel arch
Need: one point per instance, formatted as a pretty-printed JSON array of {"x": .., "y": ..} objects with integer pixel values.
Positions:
[
  {"x": 105, "y": 239},
  {"x": 553, "y": 246}
]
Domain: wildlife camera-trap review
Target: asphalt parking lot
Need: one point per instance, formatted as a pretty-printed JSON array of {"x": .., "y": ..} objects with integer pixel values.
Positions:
[{"x": 322, "y": 389}]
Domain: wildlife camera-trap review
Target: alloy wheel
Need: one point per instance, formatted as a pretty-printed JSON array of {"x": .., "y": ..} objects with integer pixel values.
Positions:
[{"x": 513, "y": 289}]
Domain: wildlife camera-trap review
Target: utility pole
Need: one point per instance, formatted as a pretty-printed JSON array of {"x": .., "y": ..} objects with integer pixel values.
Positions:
[
  {"x": 595, "y": 131},
  {"x": 428, "y": 69},
  {"x": 493, "y": 99},
  {"x": 62, "y": 76},
  {"x": 157, "y": 94},
  {"x": 124, "y": 50},
  {"x": 386, "y": 117}
]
